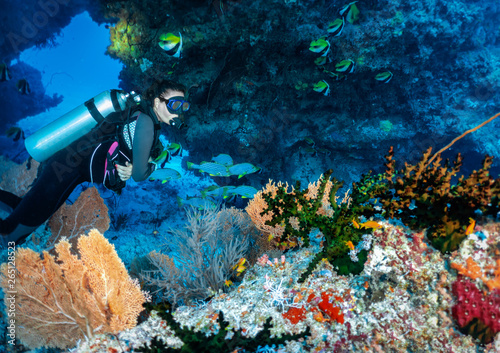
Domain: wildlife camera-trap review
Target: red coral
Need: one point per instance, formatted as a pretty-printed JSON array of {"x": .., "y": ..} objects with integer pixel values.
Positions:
[
  {"x": 295, "y": 315},
  {"x": 333, "y": 311}
]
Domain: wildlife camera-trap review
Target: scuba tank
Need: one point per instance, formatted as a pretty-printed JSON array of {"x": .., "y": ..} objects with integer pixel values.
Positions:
[{"x": 71, "y": 126}]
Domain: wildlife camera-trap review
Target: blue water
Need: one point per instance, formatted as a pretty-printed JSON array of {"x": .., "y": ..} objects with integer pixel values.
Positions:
[{"x": 76, "y": 68}]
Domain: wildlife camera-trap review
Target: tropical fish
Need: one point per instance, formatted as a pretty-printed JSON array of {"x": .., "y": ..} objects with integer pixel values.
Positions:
[
  {"x": 384, "y": 77},
  {"x": 4, "y": 72},
  {"x": 335, "y": 28},
  {"x": 371, "y": 224},
  {"x": 324, "y": 150},
  {"x": 350, "y": 12},
  {"x": 345, "y": 66},
  {"x": 350, "y": 245},
  {"x": 196, "y": 202},
  {"x": 244, "y": 191},
  {"x": 321, "y": 60},
  {"x": 470, "y": 227},
  {"x": 309, "y": 141},
  {"x": 335, "y": 76},
  {"x": 320, "y": 46},
  {"x": 322, "y": 87},
  {"x": 228, "y": 283},
  {"x": 215, "y": 191},
  {"x": 243, "y": 169},
  {"x": 162, "y": 159},
  {"x": 15, "y": 133},
  {"x": 310, "y": 150},
  {"x": 214, "y": 169},
  {"x": 174, "y": 149},
  {"x": 239, "y": 266},
  {"x": 171, "y": 43},
  {"x": 223, "y": 159},
  {"x": 367, "y": 224},
  {"x": 165, "y": 174},
  {"x": 23, "y": 86}
]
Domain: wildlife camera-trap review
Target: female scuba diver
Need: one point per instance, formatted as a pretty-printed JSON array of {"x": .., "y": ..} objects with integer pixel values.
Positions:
[{"x": 110, "y": 154}]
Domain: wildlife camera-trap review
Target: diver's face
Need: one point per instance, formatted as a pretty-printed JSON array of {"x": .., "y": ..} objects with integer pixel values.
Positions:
[{"x": 160, "y": 106}]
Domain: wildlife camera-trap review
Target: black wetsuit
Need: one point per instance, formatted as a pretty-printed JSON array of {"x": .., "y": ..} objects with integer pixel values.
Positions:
[{"x": 82, "y": 161}]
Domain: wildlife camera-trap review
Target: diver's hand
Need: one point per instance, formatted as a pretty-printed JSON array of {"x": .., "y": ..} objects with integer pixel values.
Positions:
[{"x": 124, "y": 171}]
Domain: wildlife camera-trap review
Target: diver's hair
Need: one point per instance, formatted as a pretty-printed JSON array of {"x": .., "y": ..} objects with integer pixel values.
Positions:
[{"x": 160, "y": 87}]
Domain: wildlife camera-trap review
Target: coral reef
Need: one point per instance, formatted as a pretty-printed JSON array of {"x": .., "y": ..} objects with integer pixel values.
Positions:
[
  {"x": 291, "y": 215},
  {"x": 206, "y": 253},
  {"x": 424, "y": 196},
  {"x": 401, "y": 301},
  {"x": 17, "y": 178},
  {"x": 477, "y": 287},
  {"x": 71, "y": 221},
  {"x": 59, "y": 301}
]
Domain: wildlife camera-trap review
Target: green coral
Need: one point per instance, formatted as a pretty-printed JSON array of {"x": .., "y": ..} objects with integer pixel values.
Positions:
[
  {"x": 199, "y": 342},
  {"x": 337, "y": 226}
]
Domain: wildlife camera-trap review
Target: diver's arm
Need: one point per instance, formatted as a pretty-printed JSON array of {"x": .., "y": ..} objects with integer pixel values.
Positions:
[{"x": 143, "y": 141}]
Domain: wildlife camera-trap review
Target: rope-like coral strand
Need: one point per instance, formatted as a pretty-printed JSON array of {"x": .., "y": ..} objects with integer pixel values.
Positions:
[{"x": 459, "y": 137}]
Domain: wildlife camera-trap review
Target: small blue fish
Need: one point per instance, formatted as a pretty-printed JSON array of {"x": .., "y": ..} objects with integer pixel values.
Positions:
[
  {"x": 223, "y": 159},
  {"x": 215, "y": 191},
  {"x": 309, "y": 141},
  {"x": 165, "y": 174},
  {"x": 324, "y": 150},
  {"x": 243, "y": 169},
  {"x": 335, "y": 76},
  {"x": 321, "y": 60},
  {"x": 244, "y": 191},
  {"x": 213, "y": 169},
  {"x": 196, "y": 202}
]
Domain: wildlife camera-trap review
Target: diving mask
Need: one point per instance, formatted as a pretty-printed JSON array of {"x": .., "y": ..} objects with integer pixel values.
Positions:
[{"x": 174, "y": 104}]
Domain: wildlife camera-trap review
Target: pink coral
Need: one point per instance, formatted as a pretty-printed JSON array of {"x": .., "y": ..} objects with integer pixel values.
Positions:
[{"x": 472, "y": 303}]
